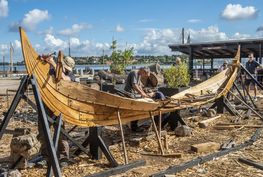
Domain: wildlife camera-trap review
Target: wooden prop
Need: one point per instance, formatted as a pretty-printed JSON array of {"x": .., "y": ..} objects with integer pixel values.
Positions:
[
  {"x": 122, "y": 139},
  {"x": 206, "y": 123},
  {"x": 158, "y": 136}
]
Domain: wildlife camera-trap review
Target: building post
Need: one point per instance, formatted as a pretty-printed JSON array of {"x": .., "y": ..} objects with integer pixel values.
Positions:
[
  {"x": 191, "y": 61},
  {"x": 260, "y": 53}
]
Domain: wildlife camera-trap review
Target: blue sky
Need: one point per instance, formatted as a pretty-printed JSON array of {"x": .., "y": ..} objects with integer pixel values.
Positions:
[{"x": 147, "y": 25}]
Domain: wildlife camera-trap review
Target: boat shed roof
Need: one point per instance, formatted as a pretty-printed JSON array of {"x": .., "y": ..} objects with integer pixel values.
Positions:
[{"x": 220, "y": 49}]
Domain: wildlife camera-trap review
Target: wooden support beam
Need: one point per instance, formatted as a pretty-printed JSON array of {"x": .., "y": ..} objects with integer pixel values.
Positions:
[
  {"x": 173, "y": 155},
  {"x": 206, "y": 123},
  {"x": 157, "y": 134},
  {"x": 230, "y": 127},
  {"x": 205, "y": 147},
  {"x": 119, "y": 169},
  {"x": 251, "y": 163},
  {"x": 122, "y": 138}
]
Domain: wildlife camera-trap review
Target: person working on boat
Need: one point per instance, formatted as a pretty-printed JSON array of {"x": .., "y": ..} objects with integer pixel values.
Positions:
[
  {"x": 251, "y": 66},
  {"x": 135, "y": 87},
  {"x": 67, "y": 65},
  {"x": 223, "y": 66}
]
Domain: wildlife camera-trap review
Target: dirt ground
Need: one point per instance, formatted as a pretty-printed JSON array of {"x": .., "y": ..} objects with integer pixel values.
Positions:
[
  {"x": 227, "y": 165},
  {"x": 8, "y": 84}
]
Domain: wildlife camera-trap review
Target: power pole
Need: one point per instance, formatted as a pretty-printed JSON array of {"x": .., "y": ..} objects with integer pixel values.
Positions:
[
  {"x": 182, "y": 35},
  {"x": 103, "y": 57},
  {"x": 188, "y": 38},
  {"x": 69, "y": 47}
]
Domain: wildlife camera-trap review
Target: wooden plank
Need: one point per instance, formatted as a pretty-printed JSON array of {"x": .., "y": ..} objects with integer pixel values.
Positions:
[
  {"x": 206, "y": 123},
  {"x": 119, "y": 169},
  {"x": 224, "y": 127},
  {"x": 173, "y": 155},
  {"x": 230, "y": 127},
  {"x": 205, "y": 147},
  {"x": 251, "y": 163}
]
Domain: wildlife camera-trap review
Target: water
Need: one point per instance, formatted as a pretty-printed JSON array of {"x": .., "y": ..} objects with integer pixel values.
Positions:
[
  {"x": 217, "y": 64},
  {"x": 95, "y": 67}
]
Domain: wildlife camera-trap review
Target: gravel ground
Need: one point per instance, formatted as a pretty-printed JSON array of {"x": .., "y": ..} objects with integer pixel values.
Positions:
[{"x": 227, "y": 165}]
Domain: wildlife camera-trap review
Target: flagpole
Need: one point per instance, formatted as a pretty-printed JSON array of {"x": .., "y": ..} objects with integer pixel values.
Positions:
[
  {"x": 11, "y": 58},
  {"x": 4, "y": 65}
]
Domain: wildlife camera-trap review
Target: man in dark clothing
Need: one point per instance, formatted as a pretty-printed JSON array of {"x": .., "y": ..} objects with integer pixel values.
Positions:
[
  {"x": 251, "y": 66},
  {"x": 134, "y": 86}
]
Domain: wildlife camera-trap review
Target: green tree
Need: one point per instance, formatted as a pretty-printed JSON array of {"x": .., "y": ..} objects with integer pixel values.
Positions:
[{"x": 120, "y": 59}]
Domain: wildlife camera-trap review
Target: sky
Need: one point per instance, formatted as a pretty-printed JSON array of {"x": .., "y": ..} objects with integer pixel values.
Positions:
[{"x": 148, "y": 26}]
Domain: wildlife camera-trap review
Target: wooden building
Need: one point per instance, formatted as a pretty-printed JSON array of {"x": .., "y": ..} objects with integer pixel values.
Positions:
[{"x": 221, "y": 49}]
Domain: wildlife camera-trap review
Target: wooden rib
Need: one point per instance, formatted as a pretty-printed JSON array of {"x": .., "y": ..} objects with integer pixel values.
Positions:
[{"x": 59, "y": 66}]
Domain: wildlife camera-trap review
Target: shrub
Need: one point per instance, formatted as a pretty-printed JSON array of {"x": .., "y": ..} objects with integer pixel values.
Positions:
[
  {"x": 120, "y": 59},
  {"x": 177, "y": 76}
]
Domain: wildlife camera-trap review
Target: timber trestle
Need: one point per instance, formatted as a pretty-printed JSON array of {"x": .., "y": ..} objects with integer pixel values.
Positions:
[
  {"x": 97, "y": 145},
  {"x": 51, "y": 148}
]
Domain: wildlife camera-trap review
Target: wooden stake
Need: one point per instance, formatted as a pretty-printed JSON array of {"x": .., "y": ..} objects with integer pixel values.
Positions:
[
  {"x": 122, "y": 138},
  {"x": 160, "y": 123},
  {"x": 157, "y": 135}
]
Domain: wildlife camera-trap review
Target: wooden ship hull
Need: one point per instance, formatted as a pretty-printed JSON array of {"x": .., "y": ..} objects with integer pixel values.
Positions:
[{"x": 84, "y": 106}]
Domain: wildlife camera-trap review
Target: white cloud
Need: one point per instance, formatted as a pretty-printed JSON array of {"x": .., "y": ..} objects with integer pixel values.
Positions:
[
  {"x": 193, "y": 20},
  {"x": 34, "y": 17},
  {"x": 211, "y": 33},
  {"x": 156, "y": 41},
  {"x": 238, "y": 35},
  {"x": 76, "y": 28},
  {"x": 3, "y": 8},
  {"x": 30, "y": 20},
  {"x": 119, "y": 28},
  {"x": 78, "y": 47},
  {"x": 4, "y": 49},
  {"x": 237, "y": 12},
  {"x": 54, "y": 43},
  {"x": 17, "y": 45}
]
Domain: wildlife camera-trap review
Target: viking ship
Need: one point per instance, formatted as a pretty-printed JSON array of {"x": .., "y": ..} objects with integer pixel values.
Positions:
[{"x": 83, "y": 106}]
